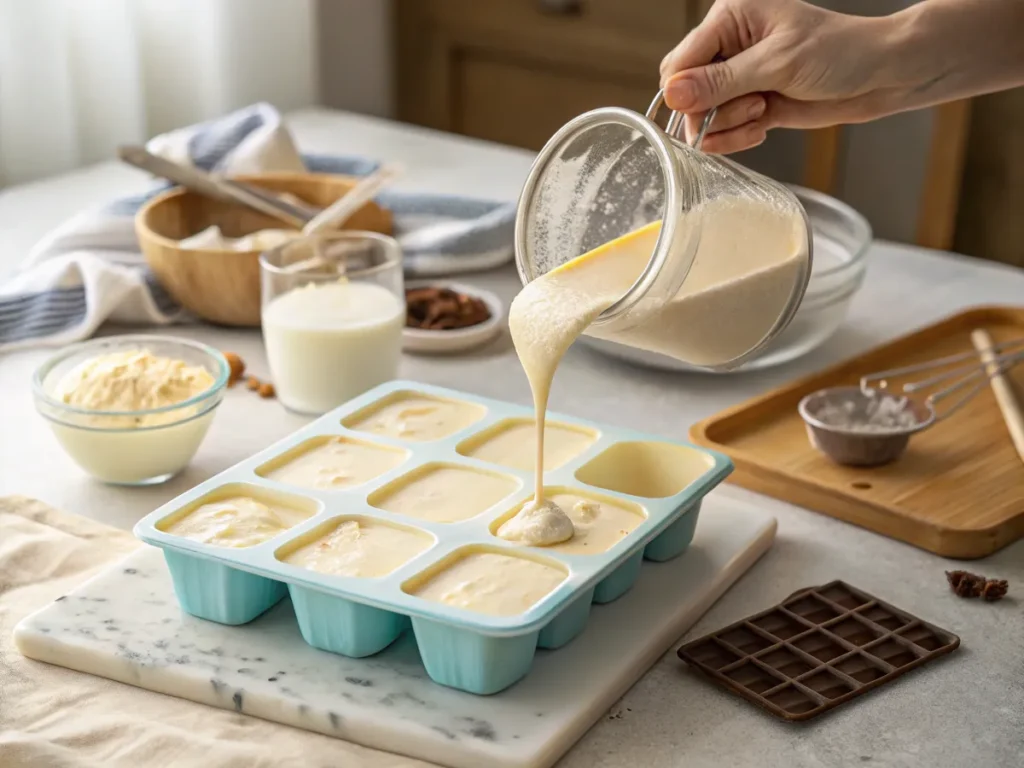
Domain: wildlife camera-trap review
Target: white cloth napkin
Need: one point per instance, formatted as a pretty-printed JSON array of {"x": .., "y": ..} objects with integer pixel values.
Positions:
[{"x": 90, "y": 269}]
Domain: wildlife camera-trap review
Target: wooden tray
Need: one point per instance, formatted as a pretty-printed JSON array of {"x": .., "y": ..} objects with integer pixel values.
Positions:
[{"x": 958, "y": 491}]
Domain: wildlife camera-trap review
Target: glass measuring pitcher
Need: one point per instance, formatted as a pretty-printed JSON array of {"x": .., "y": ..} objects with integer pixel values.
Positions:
[{"x": 715, "y": 258}]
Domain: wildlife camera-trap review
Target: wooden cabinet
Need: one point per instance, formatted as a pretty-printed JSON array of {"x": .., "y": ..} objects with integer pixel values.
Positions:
[{"x": 514, "y": 71}]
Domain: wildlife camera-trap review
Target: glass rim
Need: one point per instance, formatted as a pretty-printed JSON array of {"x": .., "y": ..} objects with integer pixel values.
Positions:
[
  {"x": 393, "y": 254},
  {"x": 40, "y": 374},
  {"x": 671, "y": 170}
]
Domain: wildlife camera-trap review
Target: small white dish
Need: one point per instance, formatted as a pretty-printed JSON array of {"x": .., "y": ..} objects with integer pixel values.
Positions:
[{"x": 420, "y": 341}]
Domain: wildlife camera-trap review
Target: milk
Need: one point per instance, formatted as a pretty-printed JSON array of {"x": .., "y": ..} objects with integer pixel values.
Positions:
[{"x": 327, "y": 343}]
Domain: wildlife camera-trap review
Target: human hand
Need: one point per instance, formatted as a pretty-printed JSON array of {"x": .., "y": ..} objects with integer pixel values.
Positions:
[{"x": 788, "y": 64}]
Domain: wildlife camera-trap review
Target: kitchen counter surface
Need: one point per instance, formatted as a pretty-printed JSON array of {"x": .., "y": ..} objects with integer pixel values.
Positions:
[{"x": 964, "y": 710}]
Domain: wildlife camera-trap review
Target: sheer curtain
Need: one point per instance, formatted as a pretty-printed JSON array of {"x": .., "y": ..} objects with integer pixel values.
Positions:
[{"x": 79, "y": 77}]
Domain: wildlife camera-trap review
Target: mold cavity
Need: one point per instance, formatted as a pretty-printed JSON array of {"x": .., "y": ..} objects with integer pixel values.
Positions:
[
  {"x": 826, "y": 684},
  {"x": 785, "y": 662},
  {"x": 444, "y": 493},
  {"x": 792, "y": 700},
  {"x": 332, "y": 463},
  {"x": 415, "y": 417},
  {"x": 488, "y": 580},
  {"x": 238, "y": 515},
  {"x": 859, "y": 668},
  {"x": 752, "y": 677},
  {"x": 742, "y": 639},
  {"x": 355, "y": 546},
  {"x": 647, "y": 469},
  {"x": 712, "y": 655},
  {"x": 842, "y": 595},
  {"x": 600, "y": 522},
  {"x": 779, "y": 625},
  {"x": 892, "y": 652},
  {"x": 513, "y": 443}
]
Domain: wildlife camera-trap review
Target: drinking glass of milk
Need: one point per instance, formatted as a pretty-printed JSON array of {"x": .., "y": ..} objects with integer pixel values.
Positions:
[{"x": 333, "y": 313}]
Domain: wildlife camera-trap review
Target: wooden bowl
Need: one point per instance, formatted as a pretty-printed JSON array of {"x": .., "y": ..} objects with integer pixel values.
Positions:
[{"x": 219, "y": 285}]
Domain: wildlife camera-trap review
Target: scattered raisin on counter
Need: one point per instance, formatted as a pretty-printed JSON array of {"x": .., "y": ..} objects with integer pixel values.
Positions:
[
  {"x": 994, "y": 589},
  {"x": 967, "y": 584},
  {"x": 252, "y": 383},
  {"x": 236, "y": 367},
  {"x": 440, "y": 309},
  {"x": 266, "y": 389}
]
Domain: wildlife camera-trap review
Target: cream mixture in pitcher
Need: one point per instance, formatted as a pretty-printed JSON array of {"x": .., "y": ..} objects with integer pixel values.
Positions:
[{"x": 750, "y": 255}]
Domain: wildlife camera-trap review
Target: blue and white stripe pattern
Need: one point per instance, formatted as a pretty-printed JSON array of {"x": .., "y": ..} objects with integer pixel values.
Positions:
[{"x": 90, "y": 269}]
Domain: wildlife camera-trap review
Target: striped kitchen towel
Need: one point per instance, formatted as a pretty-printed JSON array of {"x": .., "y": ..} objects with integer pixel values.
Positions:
[{"x": 90, "y": 270}]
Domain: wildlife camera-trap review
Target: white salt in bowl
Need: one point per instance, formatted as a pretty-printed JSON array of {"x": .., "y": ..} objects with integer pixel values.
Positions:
[{"x": 862, "y": 429}]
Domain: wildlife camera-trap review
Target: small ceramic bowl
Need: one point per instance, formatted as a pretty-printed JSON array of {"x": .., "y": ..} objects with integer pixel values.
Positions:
[
  {"x": 454, "y": 340},
  {"x": 860, "y": 447},
  {"x": 141, "y": 447}
]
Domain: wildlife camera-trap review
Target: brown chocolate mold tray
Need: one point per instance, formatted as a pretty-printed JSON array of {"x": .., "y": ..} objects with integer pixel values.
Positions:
[{"x": 819, "y": 648}]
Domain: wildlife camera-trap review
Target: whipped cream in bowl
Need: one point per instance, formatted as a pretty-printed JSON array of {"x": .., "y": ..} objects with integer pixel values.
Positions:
[{"x": 133, "y": 409}]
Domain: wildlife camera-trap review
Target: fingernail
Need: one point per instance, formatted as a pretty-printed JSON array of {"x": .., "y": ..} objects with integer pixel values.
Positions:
[
  {"x": 681, "y": 94},
  {"x": 756, "y": 109}
]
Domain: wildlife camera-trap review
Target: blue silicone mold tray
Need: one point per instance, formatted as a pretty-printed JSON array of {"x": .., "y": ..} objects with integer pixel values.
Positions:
[{"x": 464, "y": 649}]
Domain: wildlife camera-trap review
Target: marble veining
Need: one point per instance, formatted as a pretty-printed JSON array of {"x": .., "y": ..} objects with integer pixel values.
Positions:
[{"x": 126, "y": 625}]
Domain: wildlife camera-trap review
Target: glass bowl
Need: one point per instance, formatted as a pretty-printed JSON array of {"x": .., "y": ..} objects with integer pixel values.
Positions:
[
  {"x": 143, "y": 447},
  {"x": 841, "y": 237}
]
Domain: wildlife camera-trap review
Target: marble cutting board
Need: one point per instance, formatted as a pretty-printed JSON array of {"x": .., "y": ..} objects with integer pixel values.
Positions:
[{"x": 125, "y": 625}]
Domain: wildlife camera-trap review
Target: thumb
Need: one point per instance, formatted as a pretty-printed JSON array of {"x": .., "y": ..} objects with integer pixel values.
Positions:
[{"x": 703, "y": 88}]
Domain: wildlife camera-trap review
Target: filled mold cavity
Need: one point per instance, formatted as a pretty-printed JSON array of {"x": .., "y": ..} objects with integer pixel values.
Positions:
[
  {"x": 238, "y": 515},
  {"x": 488, "y": 580},
  {"x": 600, "y": 522},
  {"x": 332, "y": 463},
  {"x": 444, "y": 493},
  {"x": 512, "y": 443},
  {"x": 648, "y": 469},
  {"x": 356, "y": 546},
  {"x": 415, "y": 417}
]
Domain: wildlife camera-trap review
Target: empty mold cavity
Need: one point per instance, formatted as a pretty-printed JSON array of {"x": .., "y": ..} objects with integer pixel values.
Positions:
[
  {"x": 415, "y": 417},
  {"x": 713, "y": 655},
  {"x": 600, "y": 521},
  {"x": 444, "y": 493},
  {"x": 357, "y": 546},
  {"x": 513, "y": 443},
  {"x": 753, "y": 678},
  {"x": 648, "y": 469},
  {"x": 238, "y": 515},
  {"x": 826, "y": 684},
  {"x": 811, "y": 608},
  {"x": 785, "y": 662},
  {"x": 893, "y": 653},
  {"x": 332, "y": 463},
  {"x": 883, "y": 617},
  {"x": 819, "y": 645},
  {"x": 779, "y": 625},
  {"x": 922, "y": 637},
  {"x": 488, "y": 580},
  {"x": 792, "y": 700},
  {"x": 746, "y": 641},
  {"x": 842, "y": 595},
  {"x": 860, "y": 668},
  {"x": 853, "y": 631}
]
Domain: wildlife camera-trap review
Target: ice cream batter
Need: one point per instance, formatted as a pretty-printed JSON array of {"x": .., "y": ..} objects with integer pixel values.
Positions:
[
  {"x": 362, "y": 548},
  {"x": 444, "y": 494},
  {"x": 599, "y": 524},
  {"x": 418, "y": 418},
  {"x": 498, "y": 585},
  {"x": 236, "y": 522},
  {"x": 515, "y": 446},
  {"x": 749, "y": 258},
  {"x": 336, "y": 464}
]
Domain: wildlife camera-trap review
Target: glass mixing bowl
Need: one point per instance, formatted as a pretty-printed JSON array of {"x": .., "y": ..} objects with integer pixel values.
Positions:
[{"x": 841, "y": 238}]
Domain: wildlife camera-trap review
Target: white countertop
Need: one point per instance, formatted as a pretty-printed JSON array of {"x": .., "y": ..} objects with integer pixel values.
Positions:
[{"x": 960, "y": 711}]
